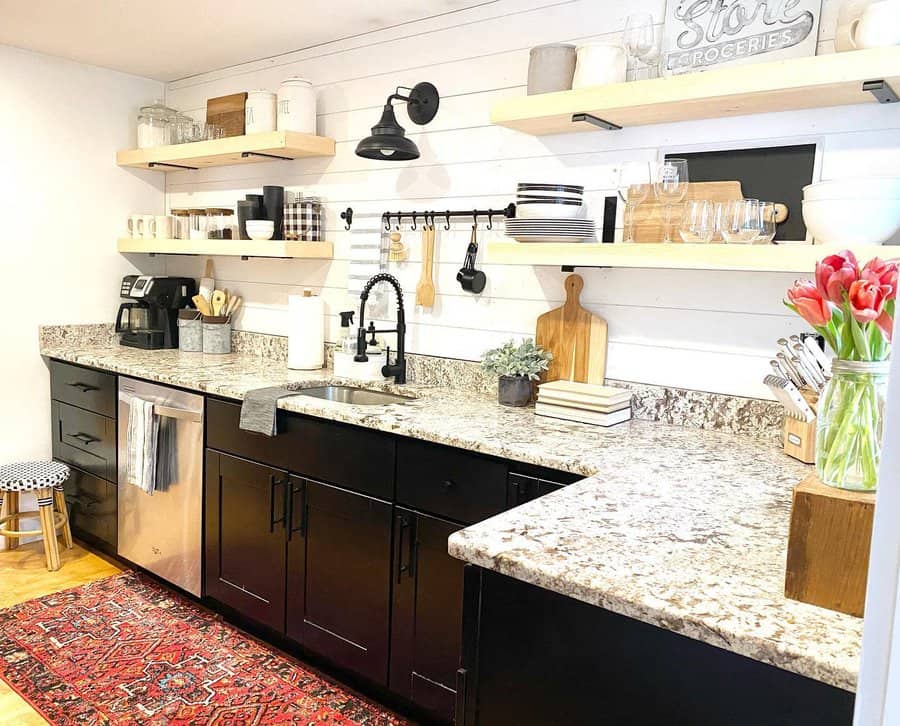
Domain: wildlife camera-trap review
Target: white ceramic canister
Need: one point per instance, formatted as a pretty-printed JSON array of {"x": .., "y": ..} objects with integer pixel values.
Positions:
[
  {"x": 260, "y": 112},
  {"x": 550, "y": 68},
  {"x": 297, "y": 106},
  {"x": 599, "y": 64}
]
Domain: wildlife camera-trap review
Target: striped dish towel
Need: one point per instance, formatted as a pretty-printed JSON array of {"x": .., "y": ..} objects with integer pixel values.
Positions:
[
  {"x": 141, "y": 445},
  {"x": 368, "y": 257}
]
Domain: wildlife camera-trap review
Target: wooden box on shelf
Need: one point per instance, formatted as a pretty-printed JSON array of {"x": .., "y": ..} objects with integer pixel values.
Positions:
[{"x": 828, "y": 546}]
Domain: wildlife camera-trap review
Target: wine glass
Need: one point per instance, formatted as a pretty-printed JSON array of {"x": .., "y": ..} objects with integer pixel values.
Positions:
[
  {"x": 742, "y": 222},
  {"x": 634, "y": 188},
  {"x": 639, "y": 38},
  {"x": 698, "y": 222},
  {"x": 767, "y": 222},
  {"x": 670, "y": 187}
]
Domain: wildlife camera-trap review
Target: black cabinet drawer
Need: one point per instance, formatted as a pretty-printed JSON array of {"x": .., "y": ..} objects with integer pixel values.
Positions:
[
  {"x": 353, "y": 457},
  {"x": 449, "y": 482},
  {"x": 93, "y": 507},
  {"x": 84, "y": 439},
  {"x": 83, "y": 387}
]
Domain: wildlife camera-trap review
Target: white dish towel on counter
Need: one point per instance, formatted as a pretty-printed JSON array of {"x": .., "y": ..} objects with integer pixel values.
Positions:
[{"x": 142, "y": 438}]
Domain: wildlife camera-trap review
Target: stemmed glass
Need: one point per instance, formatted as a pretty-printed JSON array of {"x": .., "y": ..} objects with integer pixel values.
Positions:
[
  {"x": 670, "y": 187},
  {"x": 641, "y": 42},
  {"x": 634, "y": 188}
]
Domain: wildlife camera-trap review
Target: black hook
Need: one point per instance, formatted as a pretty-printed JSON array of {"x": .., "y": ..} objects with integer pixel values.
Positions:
[
  {"x": 475, "y": 216},
  {"x": 386, "y": 221},
  {"x": 490, "y": 220},
  {"x": 413, "y": 222},
  {"x": 347, "y": 215},
  {"x": 447, "y": 226}
]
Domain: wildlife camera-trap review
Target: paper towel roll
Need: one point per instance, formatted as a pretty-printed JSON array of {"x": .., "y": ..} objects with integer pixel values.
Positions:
[{"x": 306, "y": 332}]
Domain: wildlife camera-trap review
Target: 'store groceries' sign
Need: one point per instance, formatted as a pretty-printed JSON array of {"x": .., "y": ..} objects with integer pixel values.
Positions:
[{"x": 703, "y": 34}]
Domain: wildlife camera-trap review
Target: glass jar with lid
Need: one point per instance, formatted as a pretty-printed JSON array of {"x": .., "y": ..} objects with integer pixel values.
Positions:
[
  {"x": 198, "y": 223},
  {"x": 220, "y": 223},
  {"x": 154, "y": 125},
  {"x": 182, "y": 223},
  {"x": 182, "y": 128}
]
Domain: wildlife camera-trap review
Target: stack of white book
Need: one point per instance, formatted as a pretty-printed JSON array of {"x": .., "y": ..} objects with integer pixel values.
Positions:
[{"x": 584, "y": 402}]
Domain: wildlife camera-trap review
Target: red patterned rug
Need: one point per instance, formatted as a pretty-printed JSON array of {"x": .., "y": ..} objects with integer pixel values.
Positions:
[{"x": 125, "y": 650}]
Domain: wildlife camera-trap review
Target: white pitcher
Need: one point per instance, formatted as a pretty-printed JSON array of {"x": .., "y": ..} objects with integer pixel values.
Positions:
[
  {"x": 599, "y": 64},
  {"x": 878, "y": 27}
]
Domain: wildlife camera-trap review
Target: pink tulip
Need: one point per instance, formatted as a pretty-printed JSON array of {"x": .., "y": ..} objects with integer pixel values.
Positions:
[
  {"x": 810, "y": 304},
  {"x": 867, "y": 300},
  {"x": 882, "y": 273},
  {"x": 835, "y": 274},
  {"x": 886, "y": 323}
]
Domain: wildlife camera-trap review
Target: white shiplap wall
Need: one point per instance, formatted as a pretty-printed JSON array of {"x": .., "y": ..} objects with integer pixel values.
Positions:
[{"x": 703, "y": 330}]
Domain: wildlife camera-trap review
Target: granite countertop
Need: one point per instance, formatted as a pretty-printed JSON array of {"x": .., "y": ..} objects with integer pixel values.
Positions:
[{"x": 682, "y": 528}]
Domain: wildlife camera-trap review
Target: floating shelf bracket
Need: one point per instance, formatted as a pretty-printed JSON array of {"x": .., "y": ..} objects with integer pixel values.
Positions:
[
  {"x": 595, "y": 121},
  {"x": 248, "y": 154},
  {"x": 882, "y": 91},
  {"x": 171, "y": 166}
]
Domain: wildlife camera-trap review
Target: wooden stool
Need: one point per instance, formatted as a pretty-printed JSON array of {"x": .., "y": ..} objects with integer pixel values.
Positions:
[{"x": 46, "y": 478}]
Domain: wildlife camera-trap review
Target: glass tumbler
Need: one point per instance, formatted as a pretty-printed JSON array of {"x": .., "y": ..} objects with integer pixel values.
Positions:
[
  {"x": 768, "y": 225},
  {"x": 742, "y": 222},
  {"x": 698, "y": 222}
]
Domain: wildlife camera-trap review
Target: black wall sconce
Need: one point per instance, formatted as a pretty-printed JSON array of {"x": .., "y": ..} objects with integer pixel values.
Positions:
[{"x": 388, "y": 141}]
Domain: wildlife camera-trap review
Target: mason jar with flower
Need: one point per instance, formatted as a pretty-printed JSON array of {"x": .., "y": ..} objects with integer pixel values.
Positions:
[{"x": 852, "y": 308}]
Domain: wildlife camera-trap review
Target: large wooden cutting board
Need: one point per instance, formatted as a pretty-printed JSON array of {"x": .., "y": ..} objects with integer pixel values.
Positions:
[
  {"x": 650, "y": 215},
  {"x": 576, "y": 337}
]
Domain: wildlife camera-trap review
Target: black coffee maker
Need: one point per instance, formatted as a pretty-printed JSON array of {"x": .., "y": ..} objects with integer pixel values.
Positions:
[{"x": 151, "y": 323}]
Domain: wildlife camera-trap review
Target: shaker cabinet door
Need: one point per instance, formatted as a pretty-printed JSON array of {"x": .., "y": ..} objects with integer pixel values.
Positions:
[
  {"x": 246, "y": 514},
  {"x": 339, "y": 565},
  {"x": 426, "y": 633}
]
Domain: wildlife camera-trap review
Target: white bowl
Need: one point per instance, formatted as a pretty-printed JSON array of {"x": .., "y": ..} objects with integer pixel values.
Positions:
[
  {"x": 549, "y": 210},
  {"x": 852, "y": 221},
  {"x": 868, "y": 187},
  {"x": 260, "y": 229}
]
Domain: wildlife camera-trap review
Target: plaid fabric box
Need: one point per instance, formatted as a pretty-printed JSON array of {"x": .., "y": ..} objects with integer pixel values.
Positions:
[{"x": 303, "y": 220}]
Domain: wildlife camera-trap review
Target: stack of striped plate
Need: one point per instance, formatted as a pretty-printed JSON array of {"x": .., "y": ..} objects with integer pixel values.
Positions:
[{"x": 551, "y": 230}]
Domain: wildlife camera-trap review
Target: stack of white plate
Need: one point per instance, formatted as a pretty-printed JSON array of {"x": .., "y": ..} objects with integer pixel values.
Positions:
[
  {"x": 555, "y": 201},
  {"x": 550, "y": 230},
  {"x": 584, "y": 402}
]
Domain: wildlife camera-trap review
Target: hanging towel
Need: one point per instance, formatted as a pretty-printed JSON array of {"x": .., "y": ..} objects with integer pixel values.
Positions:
[
  {"x": 368, "y": 256},
  {"x": 260, "y": 407},
  {"x": 141, "y": 445},
  {"x": 166, "y": 454}
]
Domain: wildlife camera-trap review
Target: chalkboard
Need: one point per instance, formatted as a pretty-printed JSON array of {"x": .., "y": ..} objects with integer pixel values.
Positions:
[{"x": 774, "y": 174}]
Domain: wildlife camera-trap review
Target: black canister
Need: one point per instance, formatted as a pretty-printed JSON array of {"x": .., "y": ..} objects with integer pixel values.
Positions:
[
  {"x": 273, "y": 208},
  {"x": 247, "y": 209},
  {"x": 258, "y": 198}
]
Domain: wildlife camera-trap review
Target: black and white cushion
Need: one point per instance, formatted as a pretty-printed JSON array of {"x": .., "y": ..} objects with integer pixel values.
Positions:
[{"x": 29, "y": 475}]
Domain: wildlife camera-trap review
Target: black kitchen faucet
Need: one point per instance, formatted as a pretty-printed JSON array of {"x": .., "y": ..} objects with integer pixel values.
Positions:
[{"x": 398, "y": 369}]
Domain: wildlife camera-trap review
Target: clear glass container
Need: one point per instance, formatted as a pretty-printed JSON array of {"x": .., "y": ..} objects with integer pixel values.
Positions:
[
  {"x": 220, "y": 223},
  {"x": 850, "y": 424},
  {"x": 182, "y": 128},
  {"x": 181, "y": 224},
  {"x": 154, "y": 125},
  {"x": 199, "y": 222}
]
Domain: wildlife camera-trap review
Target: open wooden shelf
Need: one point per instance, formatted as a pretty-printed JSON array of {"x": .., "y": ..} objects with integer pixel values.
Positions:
[
  {"x": 757, "y": 258},
  {"x": 248, "y": 149},
  {"x": 230, "y": 248},
  {"x": 817, "y": 81}
]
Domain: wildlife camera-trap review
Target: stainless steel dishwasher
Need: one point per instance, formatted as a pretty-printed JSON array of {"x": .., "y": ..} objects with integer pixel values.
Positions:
[{"x": 162, "y": 532}]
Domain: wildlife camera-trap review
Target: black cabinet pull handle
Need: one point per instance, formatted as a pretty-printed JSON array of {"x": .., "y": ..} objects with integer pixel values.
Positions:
[
  {"x": 403, "y": 524},
  {"x": 85, "y": 439},
  {"x": 448, "y": 484},
  {"x": 83, "y": 387},
  {"x": 300, "y": 528},
  {"x": 460, "y": 705},
  {"x": 273, "y": 482}
]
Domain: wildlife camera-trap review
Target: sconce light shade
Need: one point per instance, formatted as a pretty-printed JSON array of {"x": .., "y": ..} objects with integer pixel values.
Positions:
[{"x": 388, "y": 141}]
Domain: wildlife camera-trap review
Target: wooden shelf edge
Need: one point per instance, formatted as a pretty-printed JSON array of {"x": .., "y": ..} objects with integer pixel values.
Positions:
[
  {"x": 812, "y": 82},
  {"x": 224, "y": 152},
  {"x": 229, "y": 248},
  {"x": 750, "y": 258}
]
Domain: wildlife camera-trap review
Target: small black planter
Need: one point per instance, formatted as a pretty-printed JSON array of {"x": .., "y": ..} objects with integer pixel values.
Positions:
[{"x": 514, "y": 390}]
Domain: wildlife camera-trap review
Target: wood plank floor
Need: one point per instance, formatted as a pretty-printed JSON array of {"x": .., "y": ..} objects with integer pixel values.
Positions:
[{"x": 24, "y": 576}]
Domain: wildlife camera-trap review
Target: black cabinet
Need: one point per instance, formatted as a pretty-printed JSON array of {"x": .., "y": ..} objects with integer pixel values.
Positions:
[
  {"x": 586, "y": 665},
  {"x": 338, "y": 585},
  {"x": 245, "y": 541},
  {"x": 426, "y": 628},
  {"x": 93, "y": 507}
]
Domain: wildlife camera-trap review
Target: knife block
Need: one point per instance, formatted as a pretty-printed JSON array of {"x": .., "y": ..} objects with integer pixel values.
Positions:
[
  {"x": 800, "y": 436},
  {"x": 828, "y": 546}
]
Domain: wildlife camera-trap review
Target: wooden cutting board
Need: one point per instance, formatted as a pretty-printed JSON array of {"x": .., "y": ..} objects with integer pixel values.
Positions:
[
  {"x": 650, "y": 215},
  {"x": 228, "y": 112},
  {"x": 576, "y": 337}
]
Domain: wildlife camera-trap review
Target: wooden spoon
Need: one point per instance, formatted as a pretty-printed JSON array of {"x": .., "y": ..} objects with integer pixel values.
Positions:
[
  {"x": 218, "y": 302},
  {"x": 425, "y": 288}
]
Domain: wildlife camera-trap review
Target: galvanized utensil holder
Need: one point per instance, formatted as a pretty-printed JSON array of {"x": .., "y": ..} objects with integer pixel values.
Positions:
[
  {"x": 216, "y": 334},
  {"x": 190, "y": 331}
]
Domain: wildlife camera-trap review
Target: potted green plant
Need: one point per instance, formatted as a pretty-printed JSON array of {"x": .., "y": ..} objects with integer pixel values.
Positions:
[{"x": 517, "y": 365}]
